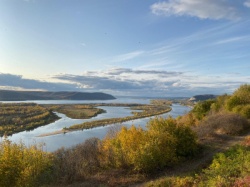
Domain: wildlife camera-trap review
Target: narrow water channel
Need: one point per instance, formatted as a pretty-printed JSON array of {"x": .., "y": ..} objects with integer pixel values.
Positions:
[{"x": 55, "y": 142}]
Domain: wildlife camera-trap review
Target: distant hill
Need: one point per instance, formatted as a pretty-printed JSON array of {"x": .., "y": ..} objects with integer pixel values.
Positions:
[
  {"x": 6, "y": 95},
  {"x": 202, "y": 97}
]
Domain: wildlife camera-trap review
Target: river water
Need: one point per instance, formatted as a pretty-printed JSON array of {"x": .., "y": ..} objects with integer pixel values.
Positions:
[{"x": 54, "y": 142}]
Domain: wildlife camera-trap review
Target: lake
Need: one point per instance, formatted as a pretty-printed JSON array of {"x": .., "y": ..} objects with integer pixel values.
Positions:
[{"x": 55, "y": 142}]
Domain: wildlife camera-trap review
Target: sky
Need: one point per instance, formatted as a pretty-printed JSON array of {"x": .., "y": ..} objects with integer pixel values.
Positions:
[{"x": 168, "y": 48}]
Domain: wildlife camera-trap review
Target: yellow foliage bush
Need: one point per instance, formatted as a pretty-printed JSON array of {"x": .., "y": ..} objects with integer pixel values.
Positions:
[
  {"x": 163, "y": 144},
  {"x": 23, "y": 167}
]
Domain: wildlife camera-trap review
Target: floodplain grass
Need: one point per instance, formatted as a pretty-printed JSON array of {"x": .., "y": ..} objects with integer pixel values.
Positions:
[
  {"x": 146, "y": 111},
  {"x": 77, "y": 111},
  {"x": 17, "y": 117}
]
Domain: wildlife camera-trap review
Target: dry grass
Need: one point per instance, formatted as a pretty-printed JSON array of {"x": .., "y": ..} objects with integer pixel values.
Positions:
[
  {"x": 222, "y": 124},
  {"x": 76, "y": 163}
]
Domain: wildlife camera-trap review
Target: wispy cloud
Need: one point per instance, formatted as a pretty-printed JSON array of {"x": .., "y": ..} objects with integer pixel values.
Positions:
[
  {"x": 203, "y": 9},
  {"x": 247, "y": 3},
  {"x": 234, "y": 39},
  {"x": 127, "y": 56},
  {"x": 18, "y": 88}
]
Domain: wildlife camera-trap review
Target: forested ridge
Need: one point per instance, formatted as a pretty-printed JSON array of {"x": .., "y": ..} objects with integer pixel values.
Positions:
[{"x": 7, "y": 95}]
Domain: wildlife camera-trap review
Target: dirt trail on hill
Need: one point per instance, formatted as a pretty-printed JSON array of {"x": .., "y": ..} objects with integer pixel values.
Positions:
[
  {"x": 216, "y": 144},
  {"x": 212, "y": 146}
]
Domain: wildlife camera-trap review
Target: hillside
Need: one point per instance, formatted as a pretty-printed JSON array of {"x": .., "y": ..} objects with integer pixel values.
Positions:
[
  {"x": 6, "y": 95},
  {"x": 209, "y": 146},
  {"x": 202, "y": 97}
]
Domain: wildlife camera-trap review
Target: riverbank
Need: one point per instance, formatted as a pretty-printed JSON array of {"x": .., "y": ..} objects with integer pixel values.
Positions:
[
  {"x": 54, "y": 133},
  {"x": 105, "y": 122},
  {"x": 157, "y": 107},
  {"x": 66, "y": 140},
  {"x": 18, "y": 117}
]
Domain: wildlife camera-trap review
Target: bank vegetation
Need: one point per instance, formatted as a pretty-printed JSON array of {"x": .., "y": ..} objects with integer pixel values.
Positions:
[
  {"x": 17, "y": 117},
  {"x": 209, "y": 146}
]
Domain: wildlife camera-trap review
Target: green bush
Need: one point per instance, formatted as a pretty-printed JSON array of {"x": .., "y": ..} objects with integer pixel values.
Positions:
[
  {"x": 243, "y": 110},
  {"x": 202, "y": 108},
  {"x": 239, "y": 102},
  {"x": 228, "y": 167},
  {"x": 220, "y": 103}
]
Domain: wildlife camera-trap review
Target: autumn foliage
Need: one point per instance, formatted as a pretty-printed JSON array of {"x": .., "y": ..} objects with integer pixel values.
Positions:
[
  {"x": 163, "y": 144},
  {"x": 22, "y": 166}
]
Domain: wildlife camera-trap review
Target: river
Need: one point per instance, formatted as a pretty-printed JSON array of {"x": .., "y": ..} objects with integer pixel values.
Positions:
[{"x": 54, "y": 142}]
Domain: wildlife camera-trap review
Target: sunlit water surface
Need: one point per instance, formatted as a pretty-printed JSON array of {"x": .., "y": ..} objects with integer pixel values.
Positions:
[{"x": 55, "y": 142}]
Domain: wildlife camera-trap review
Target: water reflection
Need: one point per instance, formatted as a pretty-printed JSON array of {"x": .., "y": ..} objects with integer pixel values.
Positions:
[{"x": 69, "y": 139}]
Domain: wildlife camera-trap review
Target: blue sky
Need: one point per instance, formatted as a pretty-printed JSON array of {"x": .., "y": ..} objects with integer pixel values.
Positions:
[{"x": 126, "y": 47}]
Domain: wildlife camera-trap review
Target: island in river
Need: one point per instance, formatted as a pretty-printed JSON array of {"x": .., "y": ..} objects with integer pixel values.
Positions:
[{"x": 17, "y": 117}]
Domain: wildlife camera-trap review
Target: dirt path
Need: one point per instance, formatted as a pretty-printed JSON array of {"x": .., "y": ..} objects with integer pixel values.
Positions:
[{"x": 213, "y": 145}]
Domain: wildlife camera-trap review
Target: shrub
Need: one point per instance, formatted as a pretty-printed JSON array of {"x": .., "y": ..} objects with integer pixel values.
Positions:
[
  {"x": 77, "y": 162},
  {"x": 202, "y": 108},
  {"x": 227, "y": 168},
  {"x": 220, "y": 103},
  {"x": 223, "y": 123},
  {"x": 188, "y": 119},
  {"x": 24, "y": 166},
  {"x": 185, "y": 138},
  {"x": 121, "y": 150},
  {"x": 240, "y": 97},
  {"x": 163, "y": 144},
  {"x": 243, "y": 110}
]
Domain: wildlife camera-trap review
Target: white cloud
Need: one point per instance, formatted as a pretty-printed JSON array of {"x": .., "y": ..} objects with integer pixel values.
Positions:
[
  {"x": 203, "y": 9},
  {"x": 176, "y": 84},
  {"x": 127, "y": 56},
  {"x": 247, "y": 3},
  {"x": 17, "y": 88},
  {"x": 122, "y": 81}
]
